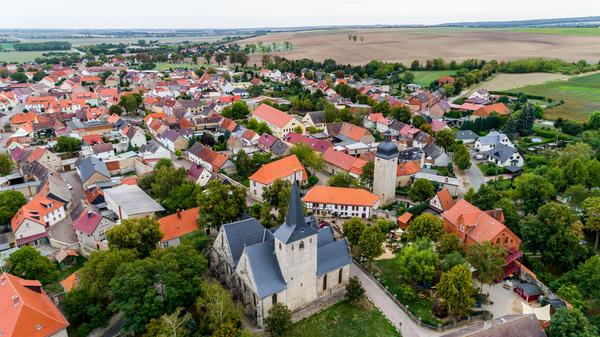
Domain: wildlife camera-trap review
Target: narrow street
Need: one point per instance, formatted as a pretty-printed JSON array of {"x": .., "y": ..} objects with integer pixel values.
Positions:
[
  {"x": 476, "y": 177},
  {"x": 381, "y": 300}
]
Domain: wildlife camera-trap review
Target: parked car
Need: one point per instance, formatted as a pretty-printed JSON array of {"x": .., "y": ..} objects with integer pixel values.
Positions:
[{"x": 479, "y": 156}]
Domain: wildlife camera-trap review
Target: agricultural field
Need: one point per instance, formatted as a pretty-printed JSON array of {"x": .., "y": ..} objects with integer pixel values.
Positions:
[
  {"x": 98, "y": 40},
  {"x": 406, "y": 45},
  {"x": 163, "y": 66},
  {"x": 20, "y": 56},
  {"x": 345, "y": 320},
  {"x": 424, "y": 78},
  {"x": 508, "y": 81},
  {"x": 581, "y": 95},
  {"x": 572, "y": 31}
]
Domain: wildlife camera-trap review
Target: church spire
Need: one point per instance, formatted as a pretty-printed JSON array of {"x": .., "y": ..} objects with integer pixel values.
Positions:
[{"x": 295, "y": 211}]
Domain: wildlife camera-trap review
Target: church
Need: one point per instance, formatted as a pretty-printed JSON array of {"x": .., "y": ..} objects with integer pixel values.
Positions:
[{"x": 293, "y": 264}]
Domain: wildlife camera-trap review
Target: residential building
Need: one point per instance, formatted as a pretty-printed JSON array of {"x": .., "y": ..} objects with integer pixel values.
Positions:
[
  {"x": 491, "y": 140},
  {"x": 210, "y": 159},
  {"x": 341, "y": 202},
  {"x": 280, "y": 122},
  {"x": 172, "y": 140},
  {"x": 505, "y": 156},
  {"x": 294, "y": 265},
  {"x": 350, "y": 131},
  {"x": 30, "y": 223},
  {"x": 337, "y": 162},
  {"x": 315, "y": 119},
  {"x": 27, "y": 310},
  {"x": 176, "y": 226},
  {"x": 288, "y": 168},
  {"x": 441, "y": 201},
  {"x": 45, "y": 157},
  {"x": 91, "y": 227},
  {"x": 434, "y": 156},
  {"x": 91, "y": 170},
  {"x": 136, "y": 136},
  {"x": 487, "y": 110},
  {"x": 130, "y": 201},
  {"x": 199, "y": 174}
]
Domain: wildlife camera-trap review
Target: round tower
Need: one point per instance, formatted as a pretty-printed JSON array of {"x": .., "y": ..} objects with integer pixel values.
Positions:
[{"x": 384, "y": 177}]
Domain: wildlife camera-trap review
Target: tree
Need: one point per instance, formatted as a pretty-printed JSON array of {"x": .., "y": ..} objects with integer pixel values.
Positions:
[
  {"x": 418, "y": 121},
  {"x": 367, "y": 175},
  {"x": 427, "y": 226},
  {"x": 131, "y": 102},
  {"x": 67, "y": 144},
  {"x": 525, "y": 119},
  {"x": 85, "y": 310},
  {"x": 576, "y": 172},
  {"x": 216, "y": 307},
  {"x": 421, "y": 190},
  {"x": 220, "y": 58},
  {"x": 277, "y": 196},
  {"x": 354, "y": 290},
  {"x": 174, "y": 324},
  {"x": 140, "y": 235},
  {"x": 457, "y": 290},
  {"x": 220, "y": 204},
  {"x": 10, "y": 202},
  {"x": 594, "y": 121},
  {"x": 533, "y": 190},
  {"x": 370, "y": 242},
  {"x": 511, "y": 214},
  {"x": 19, "y": 77},
  {"x": 115, "y": 109},
  {"x": 445, "y": 138},
  {"x": 146, "y": 289},
  {"x": 307, "y": 157},
  {"x": 571, "y": 294},
  {"x": 484, "y": 198},
  {"x": 449, "y": 243},
  {"x": 184, "y": 196},
  {"x": 591, "y": 206},
  {"x": 461, "y": 158},
  {"x": 401, "y": 114},
  {"x": 208, "y": 54},
  {"x": 6, "y": 164},
  {"x": 488, "y": 260},
  {"x": 570, "y": 323},
  {"x": 100, "y": 268},
  {"x": 452, "y": 259},
  {"x": 28, "y": 263},
  {"x": 417, "y": 262},
  {"x": 342, "y": 179},
  {"x": 238, "y": 110},
  {"x": 279, "y": 320},
  {"x": 353, "y": 229}
]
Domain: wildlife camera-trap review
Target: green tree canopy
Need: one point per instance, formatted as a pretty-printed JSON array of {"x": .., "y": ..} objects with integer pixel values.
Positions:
[
  {"x": 216, "y": 307},
  {"x": 488, "y": 260},
  {"x": 10, "y": 202},
  {"x": 457, "y": 290},
  {"x": 417, "y": 262},
  {"x": 445, "y": 138},
  {"x": 141, "y": 235},
  {"x": 220, "y": 204},
  {"x": 342, "y": 179},
  {"x": 570, "y": 323},
  {"x": 421, "y": 190},
  {"x": 238, "y": 110},
  {"x": 6, "y": 164},
  {"x": 426, "y": 226},
  {"x": 28, "y": 263},
  {"x": 353, "y": 229},
  {"x": 354, "y": 290},
  {"x": 307, "y": 157},
  {"x": 461, "y": 157},
  {"x": 279, "y": 320},
  {"x": 370, "y": 242},
  {"x": 67, "y": 144},
  {"x": 534, "y": 191}
]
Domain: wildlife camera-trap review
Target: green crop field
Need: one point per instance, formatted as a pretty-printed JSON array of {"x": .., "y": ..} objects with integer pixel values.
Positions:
[
  {"x": 19, "y": 56},
  {"x": 424, "y": 78},
  {"x": 581, "y": 96},
  {"x": 573, "y": 31},
  {"x": 163, "y": 66},
  {"x": 345, "y": 320}
]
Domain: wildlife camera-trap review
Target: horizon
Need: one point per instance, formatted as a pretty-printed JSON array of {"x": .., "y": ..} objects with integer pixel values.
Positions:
[{"x": 42, "y": 15}]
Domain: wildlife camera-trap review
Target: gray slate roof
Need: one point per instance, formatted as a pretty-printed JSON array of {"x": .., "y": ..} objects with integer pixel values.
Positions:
[
  {"x": 133, "y": 200},
  {"x": 433, "y": 151},
  {"x": 491, "y": 138},
  {"x": 325, "y": 236},
  {"x": 332, "y": 256},
  {"x": 265, "y": 268},
  {"x": 466, "y": 134},
  {"x": 501, "y": 152},
  {"x": 89, "y": 165},
  {"x": 244, "y": 233},
  {"x": 295, "y": 227}
]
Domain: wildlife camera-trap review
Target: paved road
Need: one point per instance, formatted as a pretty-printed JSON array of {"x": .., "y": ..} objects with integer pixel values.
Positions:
[
  {"x": 72, "y": 178},
  {"x": 407, "y": 327},
  {"x": 476, "y": 177}
]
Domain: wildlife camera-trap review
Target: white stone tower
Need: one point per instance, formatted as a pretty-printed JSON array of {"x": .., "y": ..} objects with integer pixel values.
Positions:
[{"x": 384, "y": 178}]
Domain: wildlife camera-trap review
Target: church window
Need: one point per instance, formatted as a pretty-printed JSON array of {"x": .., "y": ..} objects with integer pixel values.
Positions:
[
  {"x": 325, "y": 282},
  {"x": 292, "y": 246},
  {"x": 340, "y": 276},
  {"x": 280, "y": 246},
  {"x": 274, "y": 298},
  {"x": 301, "y": 245}
]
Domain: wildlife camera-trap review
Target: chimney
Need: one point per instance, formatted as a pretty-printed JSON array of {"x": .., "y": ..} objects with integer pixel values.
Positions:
[
  {"x": 179, "y": 214},
  {"x": 90, "y": 213},
  {"x": 15, "y": 300}
]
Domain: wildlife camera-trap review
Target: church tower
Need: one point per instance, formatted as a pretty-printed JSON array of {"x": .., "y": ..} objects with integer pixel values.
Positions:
[
  {"x": 384, "y": 177},
  {"x": 296, "y": 251}
]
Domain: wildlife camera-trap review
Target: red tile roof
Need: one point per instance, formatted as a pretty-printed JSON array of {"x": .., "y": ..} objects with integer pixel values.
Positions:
[
  {"x": 487, "y": 110},
  {"x": 178, "y": 224},
  {"x": 26, "y": 309},
  {"x": 344, "y": 161},
  {"x": 272, "y": 115},
  {"x": 340, "y": 196},
  {"x": 279, "y": 169}
]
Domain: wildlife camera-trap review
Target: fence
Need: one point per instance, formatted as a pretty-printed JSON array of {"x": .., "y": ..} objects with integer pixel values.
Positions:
[{"x": 418, "y": 320}]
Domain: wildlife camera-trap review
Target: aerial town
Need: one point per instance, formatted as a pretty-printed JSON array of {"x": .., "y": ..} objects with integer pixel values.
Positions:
[{"x": 229, "y": 188}]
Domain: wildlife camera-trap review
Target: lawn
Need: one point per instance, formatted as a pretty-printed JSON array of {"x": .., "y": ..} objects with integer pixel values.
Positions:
[
  {"x": 406, "y": 294},
  {"x": 580, "y": 94},
  {"x": 490, "y": 169},
  {"x": 163, "y": 66},
  {"x": 425, "y": 77},
  {"x": 345, "y": 320},
  {"x": 20, "y": 56}
]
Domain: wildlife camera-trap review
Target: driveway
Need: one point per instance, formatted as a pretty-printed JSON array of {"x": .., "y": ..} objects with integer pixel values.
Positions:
[
  {"x": 476, "y": 177},
  {"x": 385, "y": 304}
]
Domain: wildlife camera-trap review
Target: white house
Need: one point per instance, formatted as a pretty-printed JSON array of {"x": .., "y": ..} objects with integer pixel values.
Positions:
[
  {"x": 341, "y": 202},
  {"x": 491, "y": 140},
  {"x": 505, "y": 156},
  {"x": 90, "y": 228},
  {"x": 288, "y": 168}
]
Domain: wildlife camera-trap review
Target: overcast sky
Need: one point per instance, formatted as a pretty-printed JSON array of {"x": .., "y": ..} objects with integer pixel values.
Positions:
[{"x": 276, "y": 13}]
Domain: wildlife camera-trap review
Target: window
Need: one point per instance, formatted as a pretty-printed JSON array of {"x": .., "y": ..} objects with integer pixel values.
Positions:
[
  {"x": 274, "y": 297},
  {"x": 280, "y": 246},
  {"x": 301, "y": 245},
  {"x": 340, "y": 276},
  {"x": 325, "y": 282}
]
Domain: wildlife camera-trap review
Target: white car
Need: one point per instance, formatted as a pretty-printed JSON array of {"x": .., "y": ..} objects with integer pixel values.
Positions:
[{"x": 69, "y": 186}]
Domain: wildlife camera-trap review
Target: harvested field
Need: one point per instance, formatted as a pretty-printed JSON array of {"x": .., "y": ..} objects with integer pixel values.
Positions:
[
  {"x": 405, "y": 45},
  {"x": 509, "y": 81}
]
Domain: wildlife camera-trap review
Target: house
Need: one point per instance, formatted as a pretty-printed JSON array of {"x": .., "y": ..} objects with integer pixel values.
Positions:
[
  {"x": 491, "y": 140},
  {"x": 91, "y": 170},
  {"x": 136, "y": 136},
  {"x": 272, "y": 144},
  {"x": 280, "y": 122},
  {"x": 350, "y": 131},
  {"x": 103, "y": 151},
  {"x": 176, "y": 226},
  {"x": 152, "y": 151},
  {"x": 466, "y": 136},
  {"x": 317, "y": 145},
  {"x": 341, "y": 202},
  {"x": 295, "y": 264},
  {"x": 288, "y": 168},
  {"x": 210, "y": 159},
  {"x": 315, "y": 119},
  {"x": 441, "y": 201},
  {"x": 45, "y": 157},
  {"x": 434, "y": 156},
  {"x": 27, "y": 310},
  {"x": 130, "y": 201},
  {"x": 21, "y": 118},
  {"x": 30, "y": 222},
  {"x": 172, "y": 140},
  {"x": 474, "y": 226},
  {"x": 90, "y": 227},
  {"x": 406, "y": 170},
  {"x": 487, "y": 110},
  {"x": 337, "y": 161},
  {"x": 505, "y": 326},
  {"x": 198, "y": 174},
  {"x": 505, "y": 156}
]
